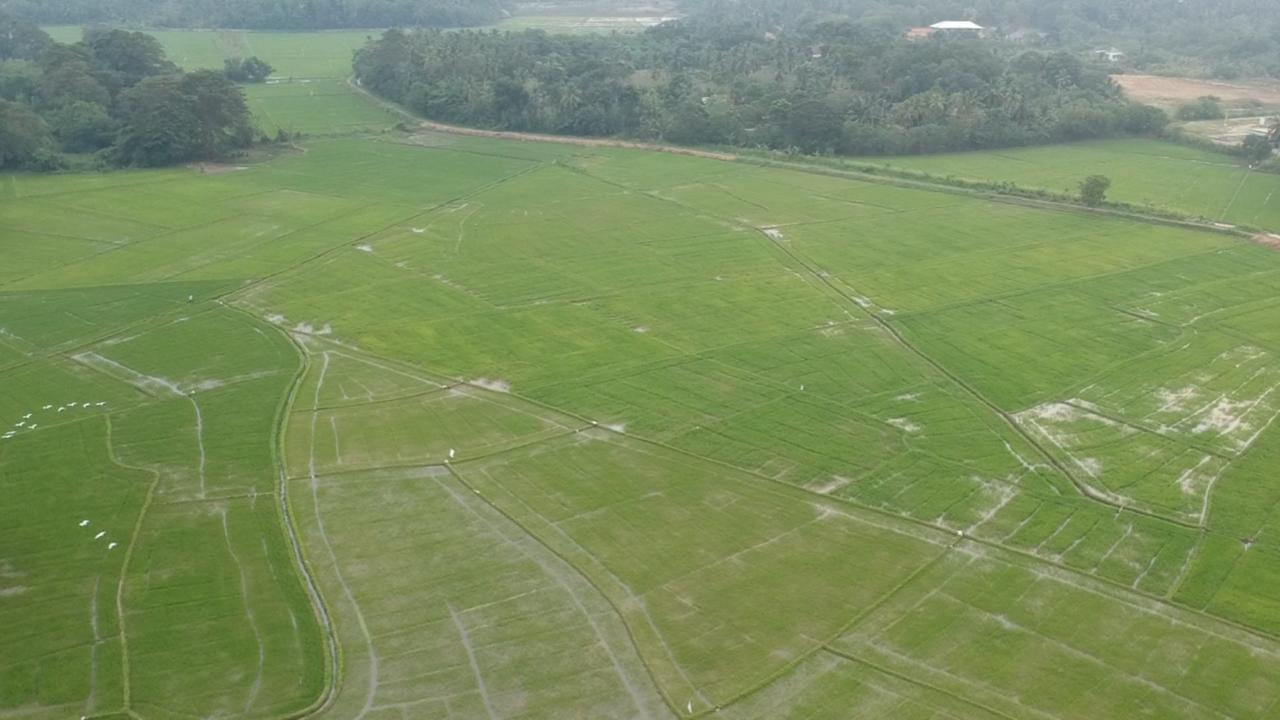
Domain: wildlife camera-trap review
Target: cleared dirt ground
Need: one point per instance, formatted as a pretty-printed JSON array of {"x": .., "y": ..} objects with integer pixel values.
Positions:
[{"x": 1159, "y": 90}]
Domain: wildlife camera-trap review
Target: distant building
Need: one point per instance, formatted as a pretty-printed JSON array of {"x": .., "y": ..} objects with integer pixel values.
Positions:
[
  {"x": 1112, "y": 56},
  {"x": 961, "y": 26},
  {"x": 957, "y": 25}
]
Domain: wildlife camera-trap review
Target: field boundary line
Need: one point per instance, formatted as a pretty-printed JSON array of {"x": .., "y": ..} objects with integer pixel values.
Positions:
[
  {"x": 935, "y": 184},
  {"x": 1192, "y": 555},
  {"x": 1100, "y": 412},
  {"x": 471, "y": 659},
  {"x": 380, "y": 401},
  {"x": 319, "y": 607},
  {"x": 1081, "y": 487},
  {"x": 927, "y": 183},
  {"x": 428, "y": 463},
  {"x": 124, "y": 567},
  {"x": 912, "y": 681},
  {"x": 622, "y": 618},
  {"x": 1247, "y": 174},
  {"x": 231, "y": 296},
  {"x": 1070, "y": 284},
  {"x": 944, "y": 551},
  {"x": 1023, "y": 555},
  {"x": 824, "y": 280},
  {"x": 165, "y": 317},
  {"x": 466, "y": 503}
]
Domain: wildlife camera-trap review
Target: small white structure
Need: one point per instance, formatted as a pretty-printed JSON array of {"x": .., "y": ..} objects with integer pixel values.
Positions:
[
  {"x": 945, "y": 26},
  {"x": 1112, "y": 56},
  {"x": 957, "y": 25}
]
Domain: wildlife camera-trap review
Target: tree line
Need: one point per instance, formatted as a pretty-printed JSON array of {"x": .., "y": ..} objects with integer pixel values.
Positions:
[
  {"x": 1222, "y": 38},
  {"x": 261, "y": 14},
  {"x": 838, "y": 86},
  {"x": 114, "y": 94}
]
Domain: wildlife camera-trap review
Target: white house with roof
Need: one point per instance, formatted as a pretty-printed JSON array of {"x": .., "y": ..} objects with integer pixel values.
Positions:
[
  {"x": 957, "y": 25},
  {"x": 947, "y": 26}
]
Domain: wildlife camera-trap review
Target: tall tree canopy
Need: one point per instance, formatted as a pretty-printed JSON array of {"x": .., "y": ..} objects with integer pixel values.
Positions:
[
  {"x": 21, "y": 40},
  {"x": 24, "y": 137},
  {"x": 835, "y": 86},
  {"x": 114, "y": 91},
  {"x": 1223, "y": 37}
]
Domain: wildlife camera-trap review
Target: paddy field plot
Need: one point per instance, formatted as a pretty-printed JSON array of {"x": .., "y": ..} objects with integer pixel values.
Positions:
[
  {"x": 301, "y": 55},
  {"x": 433, "y": 426},
  {"x": 1161, "y": 175}
]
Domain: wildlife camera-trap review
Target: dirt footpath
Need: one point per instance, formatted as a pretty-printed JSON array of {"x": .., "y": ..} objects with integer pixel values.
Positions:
[
  {"x": 572, "y": 140},
  {"x": 1160, "y": 90}
]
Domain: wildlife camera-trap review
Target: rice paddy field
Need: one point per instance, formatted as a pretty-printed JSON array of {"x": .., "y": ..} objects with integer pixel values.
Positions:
[
  {"x": 429, "y": 426},
  {"x": 1162, "y": 175}
]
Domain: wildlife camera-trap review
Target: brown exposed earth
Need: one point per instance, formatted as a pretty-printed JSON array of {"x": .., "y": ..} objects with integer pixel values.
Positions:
[
  {"x": 1160, "y": 90},
  {"x": 1271, "y": 240}
]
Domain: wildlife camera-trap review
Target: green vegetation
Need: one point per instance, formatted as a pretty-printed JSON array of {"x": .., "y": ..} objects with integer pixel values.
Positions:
[
  {"x": 1222, "y": 38},
  {"x": 683, "y": 434},
  {"x": 1205, "y": 108},
  {"x": 247, "y": 70},
  {"x": 1144, "y": 173},
  {"x": 1093, "y": 190},
  {"x": 1256, "y": 148},
  {"x": 307, "y": 93},
  {"x": 259, "y": 15},
  {"x": 835, "y": 88},
  {"x": 114, "y": 92}
]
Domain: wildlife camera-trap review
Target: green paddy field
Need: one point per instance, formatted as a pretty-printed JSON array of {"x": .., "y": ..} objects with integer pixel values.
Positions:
[
  {"x": 424, "y": 426},
  {"x": 1147, "y": 173}
]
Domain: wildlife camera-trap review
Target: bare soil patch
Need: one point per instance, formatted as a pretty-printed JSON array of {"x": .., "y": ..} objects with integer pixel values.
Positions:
[
  {"x": 1229, "y": 132},
  {"x": 1270, "y": 240},
  {"x": 1160, "y": 90}
]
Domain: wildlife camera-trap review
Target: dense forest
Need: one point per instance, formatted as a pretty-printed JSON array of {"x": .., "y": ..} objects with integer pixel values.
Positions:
[
  {"x": 115, "y": 94},
  {"x": 1224, "y": 38},
  {"x": 260, "y": 14},
  {"x": 836, "y": 87}
]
